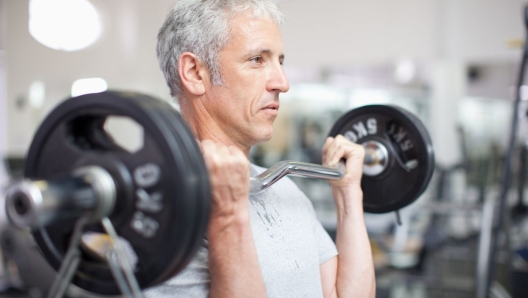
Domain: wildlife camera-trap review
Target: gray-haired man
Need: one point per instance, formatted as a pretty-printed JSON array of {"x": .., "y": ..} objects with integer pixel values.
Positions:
[{"x": 222, "y": 60}]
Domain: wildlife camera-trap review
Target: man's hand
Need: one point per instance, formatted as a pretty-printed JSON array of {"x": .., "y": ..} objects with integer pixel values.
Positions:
[
  {"x": 339, "y": 148},
  {"x": 229, "y": 176}
]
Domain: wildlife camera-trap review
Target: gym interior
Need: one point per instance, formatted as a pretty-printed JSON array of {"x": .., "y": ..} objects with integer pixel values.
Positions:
[{"x": 455, "y": 67}]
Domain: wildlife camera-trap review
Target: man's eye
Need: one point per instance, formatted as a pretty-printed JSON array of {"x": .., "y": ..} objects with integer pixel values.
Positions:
[{"x": 257, "y": 59}]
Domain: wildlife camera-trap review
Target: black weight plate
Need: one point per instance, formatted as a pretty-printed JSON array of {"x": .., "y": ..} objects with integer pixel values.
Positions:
[
  {"x": 411, "y": 156},
  {"x": 164, "y": 233}
]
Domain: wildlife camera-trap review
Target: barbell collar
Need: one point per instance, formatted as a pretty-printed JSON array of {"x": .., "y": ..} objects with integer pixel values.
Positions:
[
  {"x": 34, "y": 204},
  {"x": 376, "y": 158}
]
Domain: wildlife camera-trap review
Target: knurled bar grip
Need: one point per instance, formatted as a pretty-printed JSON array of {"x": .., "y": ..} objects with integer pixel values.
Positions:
[{"x": 304, "y": 169}]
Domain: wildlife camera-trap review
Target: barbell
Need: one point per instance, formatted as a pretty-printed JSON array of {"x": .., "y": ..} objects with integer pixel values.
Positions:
[{"x": 81, "y": 188}]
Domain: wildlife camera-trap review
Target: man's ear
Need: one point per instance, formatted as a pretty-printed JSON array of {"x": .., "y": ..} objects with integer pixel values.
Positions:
[{"x": 192, "y": 73}]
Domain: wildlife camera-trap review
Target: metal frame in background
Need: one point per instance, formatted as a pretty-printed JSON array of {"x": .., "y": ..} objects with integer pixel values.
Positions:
[{"x": 489, "y": 244}]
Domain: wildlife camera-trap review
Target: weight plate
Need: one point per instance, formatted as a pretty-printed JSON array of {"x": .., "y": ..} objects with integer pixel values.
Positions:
[
  {"x": 163, "y": 193},
  {"x": 411, "y": 157}
]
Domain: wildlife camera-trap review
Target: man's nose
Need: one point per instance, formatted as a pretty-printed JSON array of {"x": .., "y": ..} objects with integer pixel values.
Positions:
[{"x": 278, "y": 81}]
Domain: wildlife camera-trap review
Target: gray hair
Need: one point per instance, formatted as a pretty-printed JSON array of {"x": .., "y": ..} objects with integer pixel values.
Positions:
[{"x": 202, "y": 28}]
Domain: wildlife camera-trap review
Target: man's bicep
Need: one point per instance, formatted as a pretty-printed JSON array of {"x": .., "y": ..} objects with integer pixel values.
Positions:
[{"x": 328, "y": 272}]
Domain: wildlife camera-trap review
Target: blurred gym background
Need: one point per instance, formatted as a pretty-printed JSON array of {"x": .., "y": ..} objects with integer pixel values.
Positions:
[{"x": 453, "y": 63}]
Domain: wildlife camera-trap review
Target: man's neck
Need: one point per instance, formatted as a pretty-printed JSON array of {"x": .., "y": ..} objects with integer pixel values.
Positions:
[{"x": 204, "y": 126}]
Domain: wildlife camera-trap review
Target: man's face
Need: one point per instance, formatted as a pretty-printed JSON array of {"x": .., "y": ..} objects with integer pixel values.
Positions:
[{"x": 247, "y": 103}]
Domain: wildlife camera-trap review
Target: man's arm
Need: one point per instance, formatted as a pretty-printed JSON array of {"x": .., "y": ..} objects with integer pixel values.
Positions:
[
  {"x": 233, "y": 262},
  {"x": 351, "y": 273}
]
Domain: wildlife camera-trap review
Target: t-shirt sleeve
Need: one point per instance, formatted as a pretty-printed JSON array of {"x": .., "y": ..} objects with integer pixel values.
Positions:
[
  {"x": 193, "y": 282},
  {"x": 326, "y": 245}
]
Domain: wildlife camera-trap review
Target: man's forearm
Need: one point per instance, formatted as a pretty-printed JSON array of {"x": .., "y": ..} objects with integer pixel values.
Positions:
[
  {"x": 233, "y": 261},
  {"x": 355, "y": 272}
]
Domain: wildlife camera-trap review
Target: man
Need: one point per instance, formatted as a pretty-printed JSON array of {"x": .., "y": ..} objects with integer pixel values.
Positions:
[{"x": 222, "y": 60}]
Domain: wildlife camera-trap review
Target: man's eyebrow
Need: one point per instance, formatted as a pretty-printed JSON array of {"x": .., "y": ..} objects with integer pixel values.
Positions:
[
  {"x": 268, "y": 51},
  {"x": 261, "y": 52}
]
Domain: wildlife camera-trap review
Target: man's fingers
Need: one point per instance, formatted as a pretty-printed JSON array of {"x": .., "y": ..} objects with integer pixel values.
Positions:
[
  {"x": 326, "y": 146},
  {"x": 235, "y": 151},
  {"x": 208, "y": 148},
  {"x": 239, "y": 164},
  {"x": 341, "y": 148},
  {"x": 336, "y": 150},
  {"x": 225, "y": 159},
  {"x": 329, "y": 151},
  {"x": 215, "y": 155},
  {"x": 337, "y": 153}
]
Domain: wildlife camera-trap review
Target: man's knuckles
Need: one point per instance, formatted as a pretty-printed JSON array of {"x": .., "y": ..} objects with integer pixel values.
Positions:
[{"x": 224, "y": 160}]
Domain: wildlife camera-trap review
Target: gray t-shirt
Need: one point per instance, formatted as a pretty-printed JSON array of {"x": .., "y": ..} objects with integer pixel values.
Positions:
[{"x": 291, "y": 245}]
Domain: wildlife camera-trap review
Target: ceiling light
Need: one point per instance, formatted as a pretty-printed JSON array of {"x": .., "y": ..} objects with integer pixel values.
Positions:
[
  {"x": 86, "y": 86},
  {"x": 65, "y": 25}
]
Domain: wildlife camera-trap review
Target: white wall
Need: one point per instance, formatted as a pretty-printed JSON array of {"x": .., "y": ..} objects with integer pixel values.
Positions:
[
  {"x": 478, "y": 30},
  {"x": 316, "y": 33},
  {"x": 337, "y": 32}
]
